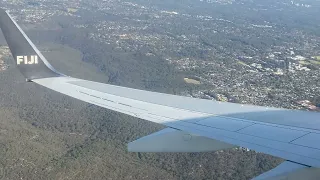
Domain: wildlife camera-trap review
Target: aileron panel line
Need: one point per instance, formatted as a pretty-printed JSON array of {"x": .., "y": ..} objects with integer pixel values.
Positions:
[
  {"x": 225, "y": 123},
  {"x": 311, "y": 140},
  {"x": 273, "y": 133},
  {"x": 287, "y": 151}
]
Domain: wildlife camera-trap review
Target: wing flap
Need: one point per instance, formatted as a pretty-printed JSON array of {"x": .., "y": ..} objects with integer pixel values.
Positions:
[
  {"x": 171, "y": 140},
  {"x": 293, "y": 152}
]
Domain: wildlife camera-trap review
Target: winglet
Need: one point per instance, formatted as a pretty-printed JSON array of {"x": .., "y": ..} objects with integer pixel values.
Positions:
[{"x": 31, "y": 63}]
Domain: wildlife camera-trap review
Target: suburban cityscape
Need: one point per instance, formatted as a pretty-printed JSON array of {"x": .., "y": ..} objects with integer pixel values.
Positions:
[{"x": 240, "y": 67}]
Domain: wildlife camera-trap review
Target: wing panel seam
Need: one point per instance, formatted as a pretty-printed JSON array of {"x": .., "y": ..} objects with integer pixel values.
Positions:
[
  {"x": 181, "y": 124},
  {"x": 233, "y": 118}
]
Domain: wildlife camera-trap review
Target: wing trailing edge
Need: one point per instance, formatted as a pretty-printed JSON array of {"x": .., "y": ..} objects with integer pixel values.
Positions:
[{"x": 172, "y": 140}]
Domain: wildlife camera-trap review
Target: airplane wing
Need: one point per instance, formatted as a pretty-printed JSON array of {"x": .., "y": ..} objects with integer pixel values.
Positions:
[{"x": 194, "y": 125}]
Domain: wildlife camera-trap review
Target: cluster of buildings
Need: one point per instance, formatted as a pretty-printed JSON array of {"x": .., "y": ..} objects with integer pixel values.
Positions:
[
  {"x": 307, "y": 104},
  {"x": 4, "y": 52},
  {"x": 201, "y": 44}
]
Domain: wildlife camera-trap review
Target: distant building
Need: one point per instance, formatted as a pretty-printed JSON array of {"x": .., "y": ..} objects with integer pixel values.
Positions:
[
  {"x": 271, "y": 56},
  {"x": 312, "y": 107},
  {"x": 256, "y": 65},
  {"x": 279, "y": 72},
  {"x": 304, "y": 69},
  {"x": 299, "y": 58},
  {"x": 170, "y": 12},
  {"x": 307, "y": 104},
  {"x": 292, "y": 53}
]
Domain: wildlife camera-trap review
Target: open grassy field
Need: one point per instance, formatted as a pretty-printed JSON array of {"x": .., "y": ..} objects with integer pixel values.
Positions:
[
  {"x": 315, "y": 62},
  {"x": 192, "y": 81},
  {"x": 304, "y": 62}
]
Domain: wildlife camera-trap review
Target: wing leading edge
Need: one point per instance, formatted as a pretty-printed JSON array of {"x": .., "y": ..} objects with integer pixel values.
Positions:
[{"x": 209, "y": 125}]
